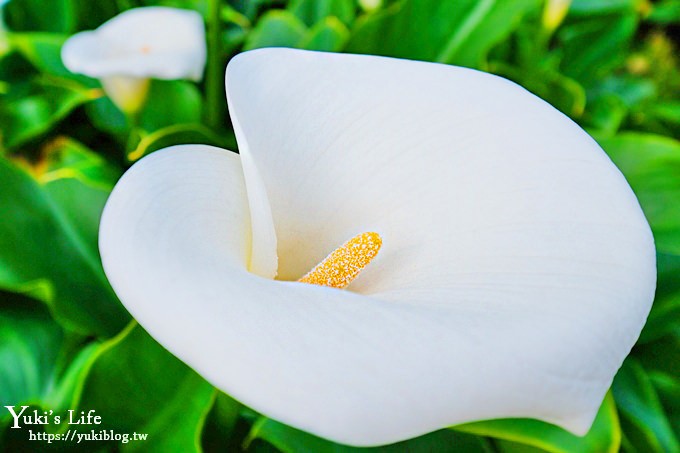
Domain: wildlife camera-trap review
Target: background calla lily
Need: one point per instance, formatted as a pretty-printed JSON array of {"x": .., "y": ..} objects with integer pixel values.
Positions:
[
  {"x": 139, "y": 44},
  {"x": 516, "y": 272}
]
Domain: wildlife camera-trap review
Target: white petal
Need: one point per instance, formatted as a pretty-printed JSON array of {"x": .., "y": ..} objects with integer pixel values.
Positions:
[
  {"x": 516, "y": 261},
  {"x": 156, "y": 42}
]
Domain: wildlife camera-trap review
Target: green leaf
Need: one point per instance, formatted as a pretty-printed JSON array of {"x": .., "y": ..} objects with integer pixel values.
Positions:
[
  {"x": 40, "y": 367},
  {"x": 105, "y": 116},
  {"x": 28, "y": 351},
  {"x": 276, "y": 29},
  {"x": 665, "y": 12},
  {"x": 662, "y": 355},
  {"x": 39, "y": 15},
  {"x": 606, "y": 114},
  {"x": 460, "y": 32},
  {"x": 48, "y": 239},
  {"x": 651, "y": 164},
  {"x": 291, "y": 440},
  {"x": 667, "y": 111},
  {"x": 91, "y": 15},
  {"x": 592, "y": 47},
  {"x": 329, "y": 35},
  {"x": 313, "y": 11},
  {"x": 648, "y": 428},
  {"x": 480, "y": 33},
  {"x": 604, "y": 436},
  {"x": 68, "y": 159},
  {"x": 36, "y": 364},
  {"x": 665, "y": 315},
  {"x": 137, "y": 386},
  {"x": 43, "y": 50},
  {"x": 171, "y": 102},
  {"x": 611, "y": 100},
  {"x": 26, "y": 116},
  {"x": 668, "y": 389},
  {"x": 631, "y": 91},
  {"x": 220, "y": 430},
  {"x": 78, "y": 181},
  {"x": 593, "y": 7}
]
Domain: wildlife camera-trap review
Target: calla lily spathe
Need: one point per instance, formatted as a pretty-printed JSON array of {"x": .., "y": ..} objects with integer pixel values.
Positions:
[
  {"x": 137, "y": 45},
  {"x": 516, "y": 271}
]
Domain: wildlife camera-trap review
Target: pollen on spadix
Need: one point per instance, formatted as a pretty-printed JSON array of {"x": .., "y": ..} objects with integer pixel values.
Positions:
[{"x": 345, "y": 263}]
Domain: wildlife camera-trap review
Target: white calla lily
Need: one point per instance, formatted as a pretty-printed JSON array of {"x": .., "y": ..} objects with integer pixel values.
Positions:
[
  {"x": 515, "y": 275},
  {"x": 139, "y": 44}
]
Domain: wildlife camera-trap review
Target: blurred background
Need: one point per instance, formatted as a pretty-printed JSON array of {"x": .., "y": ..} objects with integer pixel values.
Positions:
[{"x": 67, "y": 343}]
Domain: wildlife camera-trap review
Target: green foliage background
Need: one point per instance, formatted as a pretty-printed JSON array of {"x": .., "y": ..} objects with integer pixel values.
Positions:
[{"x": 65, "y": 340}]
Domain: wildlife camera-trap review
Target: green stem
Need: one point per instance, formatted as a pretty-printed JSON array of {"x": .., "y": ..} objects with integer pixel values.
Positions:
[{"x": 215, "y": 69}]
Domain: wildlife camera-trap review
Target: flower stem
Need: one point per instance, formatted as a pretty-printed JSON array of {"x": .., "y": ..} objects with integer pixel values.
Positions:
[{"x": 215, "y": 97}]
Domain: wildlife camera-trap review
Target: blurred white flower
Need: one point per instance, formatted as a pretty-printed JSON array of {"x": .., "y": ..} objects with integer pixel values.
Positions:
[
  {"x": 137, "y": 45},
  {"x": 516, "y": 269}
]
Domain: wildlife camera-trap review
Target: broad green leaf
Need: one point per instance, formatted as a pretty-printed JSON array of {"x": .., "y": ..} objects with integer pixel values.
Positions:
[
  {"x": 291, "y": 440},
  {"x": 651, "y": 164},
  {"x": 27, "y": 115},
  {"x": 313, "y": 11},
  {"x": 460, "y": 32},
  {"x": 37, "y": 364},
  {"x": 592, "y": 7},
  {"x": 660, "y": 360},
  {"x": 505, "y": 446},
  {"x": 28, "y": 351},
  {"x": 668, "y": 389},
  {"x": 414, "y": 29},
  {"x": 606, "y": 114},
  {"x": 249, "y": 8},
  {"x": 276, "y": 29},
  {"x": 137, "y": 386},
  {"x": 667, "y": 111},
  {"x": 592, "y": 47},
  {"x": 664, "y": 12},
  {"x": 171, "y": 102},
  {"x": 90, "y": 15},
  {"x": 106, "y": 117},
  {"x": 43, "y": 50},
  {"x": 68, "y": 159},
  {"x": 329, "y": 35},
  {"x": 15, "y": 69},
  {"x": 604, "y": 436},
  {"x": 665, "y": 315},
  {"x": 661, "y": 356},
  {"x": 38, "y": 15},
  {"x": 48, "y": 241},
  {"x": 480, "y": 33},
  {"x": 220, "y": 430},
  {"x": 642, "y": 415},
  {"x": 614, "y": 98},
  {"x": 67, "y": 168}
]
